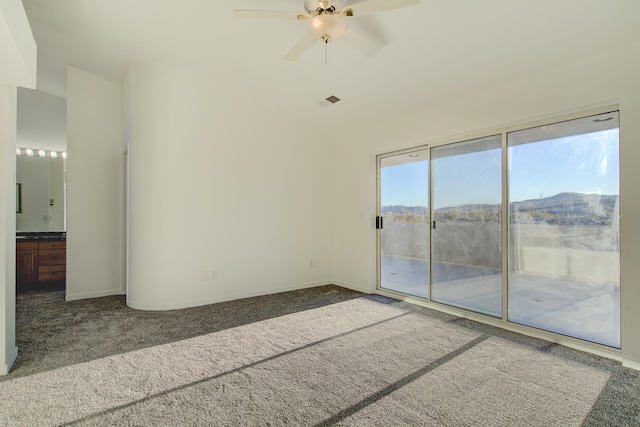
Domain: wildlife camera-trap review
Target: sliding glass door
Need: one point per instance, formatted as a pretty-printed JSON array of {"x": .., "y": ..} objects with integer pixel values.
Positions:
[
  {"x": 564, "y": 238},
  {"x": 523, "y": 226},
  {"x": 403, "y": 220},
  {"x": 466, "y": 234}
]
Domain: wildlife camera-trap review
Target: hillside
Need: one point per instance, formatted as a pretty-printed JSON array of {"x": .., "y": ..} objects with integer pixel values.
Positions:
[
  {"x": 568, "y": 208},
  {"x": 562, "y": 208}
]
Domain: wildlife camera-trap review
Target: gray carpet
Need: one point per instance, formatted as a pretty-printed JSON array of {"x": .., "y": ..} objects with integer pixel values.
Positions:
[{"x": 323, "y": 356}]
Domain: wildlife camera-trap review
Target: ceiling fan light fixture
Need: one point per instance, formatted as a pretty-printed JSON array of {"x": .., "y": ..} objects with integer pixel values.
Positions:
[{"x": 326, "y": 27}]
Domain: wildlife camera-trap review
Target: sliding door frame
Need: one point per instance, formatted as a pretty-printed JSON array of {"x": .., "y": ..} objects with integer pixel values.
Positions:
[{"x": 503, "y": 322}]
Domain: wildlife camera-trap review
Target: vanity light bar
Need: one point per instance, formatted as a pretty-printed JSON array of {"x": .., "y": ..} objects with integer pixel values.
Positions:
[{"x": 34, "y": 152}]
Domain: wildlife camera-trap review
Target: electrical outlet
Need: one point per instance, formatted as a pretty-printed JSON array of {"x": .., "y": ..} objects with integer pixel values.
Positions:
[
  {"x": 310, "y": 263},
  {"x": 205, "y": 275},
  {"x": 214, "y": 274}
]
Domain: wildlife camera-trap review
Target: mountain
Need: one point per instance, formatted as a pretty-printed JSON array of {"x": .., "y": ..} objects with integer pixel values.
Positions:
[
  {"x": 562, "y": 208},
  {"x": 567, "y": 208},
  {"x": 563, "y": 202},
  {"x": 400, "y": 209}
]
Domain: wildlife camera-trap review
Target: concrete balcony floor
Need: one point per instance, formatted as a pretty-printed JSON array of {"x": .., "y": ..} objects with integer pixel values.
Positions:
[{"x": 576, "y": 308}]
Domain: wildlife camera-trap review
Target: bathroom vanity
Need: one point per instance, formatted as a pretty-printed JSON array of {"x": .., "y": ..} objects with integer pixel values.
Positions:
[{"x": 41, "y": 259}]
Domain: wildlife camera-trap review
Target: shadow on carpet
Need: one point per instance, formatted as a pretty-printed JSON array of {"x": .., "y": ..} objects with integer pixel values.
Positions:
[
  {"x": 321, "y": 356},
  {"x": 52, "y": 333}
]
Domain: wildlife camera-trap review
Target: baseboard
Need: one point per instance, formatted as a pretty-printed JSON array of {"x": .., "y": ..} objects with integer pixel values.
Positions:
[
  {"x": 632, "y": 364},
  {"x": 351, "y": 286},
  {"x": 138, "y": 305},
  {"x": 4, "y": 369},
  {"x": 97, "y": 294}
]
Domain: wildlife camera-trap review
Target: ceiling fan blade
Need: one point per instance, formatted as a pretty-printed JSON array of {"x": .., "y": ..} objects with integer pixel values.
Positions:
[
  {"x": 306, "y": 41},
  {"x": 268, "y": 14},
  {"x": 368, "y": 7},
  {"x": 364, "y": 44}
]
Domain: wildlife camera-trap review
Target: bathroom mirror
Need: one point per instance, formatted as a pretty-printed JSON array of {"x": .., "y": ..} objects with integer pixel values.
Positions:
[
  {"x": 41, "y": 141},
  {"x": 41, "y": 186}
]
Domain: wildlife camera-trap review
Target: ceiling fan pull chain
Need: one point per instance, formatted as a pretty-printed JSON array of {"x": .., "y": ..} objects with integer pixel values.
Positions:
[{"x": 326, "y": 52}]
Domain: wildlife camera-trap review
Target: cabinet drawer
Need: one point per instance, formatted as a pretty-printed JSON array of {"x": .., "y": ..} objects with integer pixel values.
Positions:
[
  {"x": 51, "y": 273},
  {"x": 26, "y": 246},
  {"x": 53, "y": 257},
  {"x": 51, "y": 244}
]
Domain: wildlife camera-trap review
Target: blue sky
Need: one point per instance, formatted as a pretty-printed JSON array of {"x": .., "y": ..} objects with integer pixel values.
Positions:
[
  {"x": 580, "y": 164},
  {"x": 405, "y": 184},
  {"x": 587, "y": 163}
]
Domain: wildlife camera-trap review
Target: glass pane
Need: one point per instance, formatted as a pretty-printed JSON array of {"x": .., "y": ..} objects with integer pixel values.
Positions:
[
  {"x": 404, "y": 239},
  {"x": 466, "y": 238},
  {"x": 564, "y": 250}
]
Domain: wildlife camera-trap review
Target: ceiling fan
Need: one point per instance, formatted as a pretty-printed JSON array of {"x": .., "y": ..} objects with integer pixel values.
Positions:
[{"x": 326, "y": 22}]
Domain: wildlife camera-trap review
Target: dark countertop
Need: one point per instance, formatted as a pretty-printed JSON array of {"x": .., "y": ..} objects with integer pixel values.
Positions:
[{"x": 30, "y": 236}]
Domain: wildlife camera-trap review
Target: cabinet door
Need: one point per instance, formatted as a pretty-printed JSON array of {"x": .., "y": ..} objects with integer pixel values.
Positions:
[{"x": 26, "y": 264}]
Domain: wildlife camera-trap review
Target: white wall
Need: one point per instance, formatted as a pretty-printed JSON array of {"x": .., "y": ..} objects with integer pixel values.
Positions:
[
  {"x": 8, "y": 349},
  {"x": 95, "y": 174},
  {"x": 18, "y": 50},
  {"x": 18, "y": 54},
  {"x": 213, "y": 187},
  {"x": 607, "y": 79},
  {"x": 42, "y": 120}
]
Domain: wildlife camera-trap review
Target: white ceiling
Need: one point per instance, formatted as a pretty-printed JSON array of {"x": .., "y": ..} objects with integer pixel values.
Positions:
[{"x": 439, "y": 50}]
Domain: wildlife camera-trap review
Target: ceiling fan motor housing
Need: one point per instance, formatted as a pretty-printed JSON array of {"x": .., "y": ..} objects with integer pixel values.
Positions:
[{"x": 312, "y": 6}]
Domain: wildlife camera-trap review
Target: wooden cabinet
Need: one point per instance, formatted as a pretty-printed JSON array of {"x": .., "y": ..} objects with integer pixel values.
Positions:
[
  {"x": 40, "y": 262},
  {"x": 26, "y": 263},
  {"x": 52, "y": 261}
]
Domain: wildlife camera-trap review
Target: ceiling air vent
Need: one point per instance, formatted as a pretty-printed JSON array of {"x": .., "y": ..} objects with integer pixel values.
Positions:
[{"x": 327, "y": 102}]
